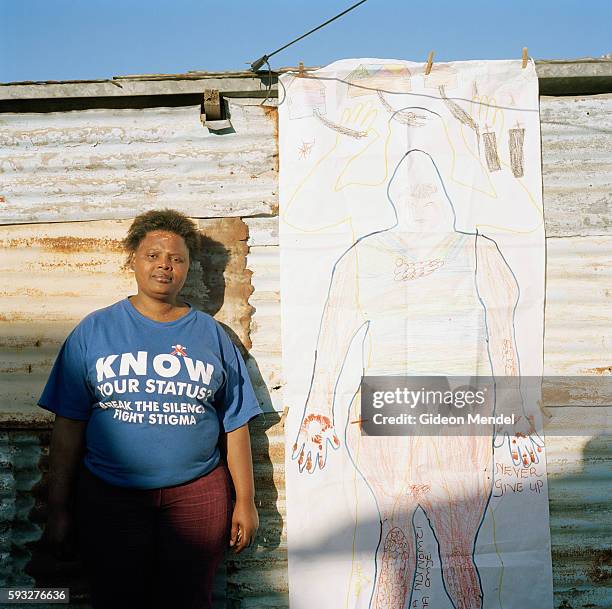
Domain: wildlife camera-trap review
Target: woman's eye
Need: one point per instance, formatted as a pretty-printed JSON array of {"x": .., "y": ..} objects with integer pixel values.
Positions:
[{"x": 152, "y": 255}]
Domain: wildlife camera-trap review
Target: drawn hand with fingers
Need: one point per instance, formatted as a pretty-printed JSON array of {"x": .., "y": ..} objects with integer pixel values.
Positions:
[
  {"x": 524, "y": 443},
  {"x": 488, "y": 129},
  {"x": 359, "y": 122},
  {"x": 355, "y": 134},
  {"x": 316, "y": 435}
]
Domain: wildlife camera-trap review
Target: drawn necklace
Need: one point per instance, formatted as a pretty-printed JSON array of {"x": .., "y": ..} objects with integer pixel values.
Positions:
[{"x": 408, "y": 270}]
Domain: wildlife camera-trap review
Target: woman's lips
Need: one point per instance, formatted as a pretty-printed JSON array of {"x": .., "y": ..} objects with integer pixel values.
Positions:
[{"x": 162, "y": 278}]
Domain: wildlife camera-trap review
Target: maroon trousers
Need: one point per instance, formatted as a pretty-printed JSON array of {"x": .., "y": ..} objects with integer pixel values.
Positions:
[{"x": 155, "y": 548}]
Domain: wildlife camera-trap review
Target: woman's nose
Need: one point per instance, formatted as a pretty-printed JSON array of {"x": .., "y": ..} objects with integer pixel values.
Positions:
[{"x": 165, "y": 264}]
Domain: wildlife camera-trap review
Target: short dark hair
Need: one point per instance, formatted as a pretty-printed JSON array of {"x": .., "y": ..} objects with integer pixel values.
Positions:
[{"x": 161, "y": 219}]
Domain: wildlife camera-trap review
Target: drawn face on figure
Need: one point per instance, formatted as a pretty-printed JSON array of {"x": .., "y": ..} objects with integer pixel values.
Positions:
[
  {"x": 160, "y": 264},
  {"x": 428, "y": 211}
]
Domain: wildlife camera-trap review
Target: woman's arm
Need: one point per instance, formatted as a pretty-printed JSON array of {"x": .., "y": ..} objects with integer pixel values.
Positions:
[
  {"x": 67, "y": 444},
  {"x": 245, "y": 519}
]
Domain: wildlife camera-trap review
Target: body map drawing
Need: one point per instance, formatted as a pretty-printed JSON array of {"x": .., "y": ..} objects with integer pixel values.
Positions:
[
  {"x": 407, "y": 243},
  {"x": 452, "y": 496}
]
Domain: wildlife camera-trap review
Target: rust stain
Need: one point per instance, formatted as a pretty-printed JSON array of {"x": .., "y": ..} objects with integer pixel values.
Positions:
[
  {"x": 2, "y": 199},
  {"x": 600, "y": 570},
  {"x": 27, "y": 368},
  {"x": 224, "y": 274},
  {"x": 283, "y": 417},
  {"x": 22, "y": 342},
  {"x": 592, "y": 389},
  {"x": 67, "y": 244},
  {"x": 36, "y": 293},
  {"x": 28, "y": 421},
  {"x": 19, "y": 316},
  {"x": 555, "y": 395},
  {"x": 600, "y": 371},
  {"x": 64, "y": 264},
  {"x": 226, "y": 230},
  {"x": 271, "y": 113}
]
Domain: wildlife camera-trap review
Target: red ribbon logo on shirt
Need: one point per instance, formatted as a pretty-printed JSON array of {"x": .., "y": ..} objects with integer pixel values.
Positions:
[{"x": 179, "y": 350}]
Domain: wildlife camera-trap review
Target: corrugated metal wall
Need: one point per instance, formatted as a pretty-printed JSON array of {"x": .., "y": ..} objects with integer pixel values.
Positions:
[
  {"x": 577, "y": 170},
  {"x": 70, "y": 183},
  {"x": 112, "y": 164}
]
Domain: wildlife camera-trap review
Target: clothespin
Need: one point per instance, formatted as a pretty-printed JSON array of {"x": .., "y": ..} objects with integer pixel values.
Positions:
[
  {"x": 429, "y": 63},
  {"x": 524, "y": 57},
  {"x": 301, "y": 71}
]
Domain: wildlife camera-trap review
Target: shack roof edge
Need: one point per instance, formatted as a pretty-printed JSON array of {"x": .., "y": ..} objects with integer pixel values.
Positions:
[{"x": 562, "y": 74}]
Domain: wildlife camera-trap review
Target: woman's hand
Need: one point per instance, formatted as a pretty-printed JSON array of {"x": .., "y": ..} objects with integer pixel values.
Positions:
[
  {"x": 244, "y": 519},
  {"x": 245, "y": 522}
]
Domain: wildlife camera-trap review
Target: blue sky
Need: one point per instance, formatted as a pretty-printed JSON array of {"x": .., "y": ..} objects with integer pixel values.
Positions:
[{"x": 95, "y": 39}]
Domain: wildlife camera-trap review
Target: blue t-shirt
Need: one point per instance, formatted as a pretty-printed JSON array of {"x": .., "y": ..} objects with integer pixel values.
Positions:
[{"x": 155, "y": 395}]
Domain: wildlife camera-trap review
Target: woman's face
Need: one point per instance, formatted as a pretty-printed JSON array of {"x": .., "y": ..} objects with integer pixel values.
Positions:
[{"x": 160, "y": 264}]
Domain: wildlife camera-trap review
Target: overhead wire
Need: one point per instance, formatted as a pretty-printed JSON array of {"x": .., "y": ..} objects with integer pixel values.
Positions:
[{"x": 264, "y": 58}]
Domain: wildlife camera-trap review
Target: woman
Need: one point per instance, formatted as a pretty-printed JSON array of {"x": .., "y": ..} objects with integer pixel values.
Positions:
[{"x": 143, "y": 390}]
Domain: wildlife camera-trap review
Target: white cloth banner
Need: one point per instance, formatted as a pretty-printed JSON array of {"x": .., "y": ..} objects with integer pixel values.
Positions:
[{"x": 412, "y": 244}]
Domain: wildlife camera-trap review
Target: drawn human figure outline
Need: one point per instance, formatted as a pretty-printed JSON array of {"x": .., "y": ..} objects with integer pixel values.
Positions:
[
  {"x": 318, "y": 427},
  {"x": 348, "y": 311}
]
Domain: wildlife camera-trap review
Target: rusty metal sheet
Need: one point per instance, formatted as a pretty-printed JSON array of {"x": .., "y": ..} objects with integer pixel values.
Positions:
[
  {"x": 263, "y": 262},
  {"x": 262, "y": 231},
  {"x": 97, "y": 164},
  {"x": 279, "y": 601},
  {"x": 55, "y": 274},
  {"x": 577, "y": 164},
  {"x": 39, "y": 311},
  {"x": 580, "y": 523},
  {"x": 227, "y": 283},
  {"x": 260, "y": 573},
  {"x": 578, "y": 315},
  {"x": 113, "y": 164},
  {"x": 578, "y": 341}
]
